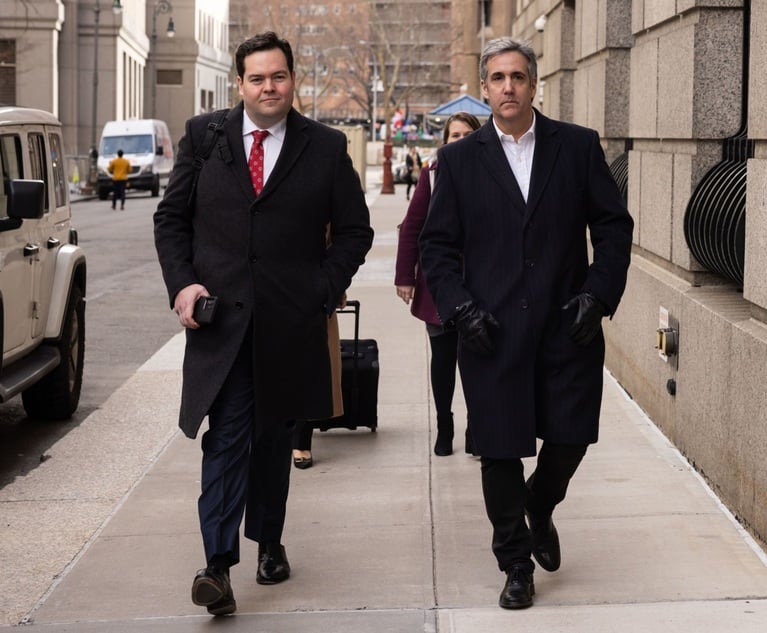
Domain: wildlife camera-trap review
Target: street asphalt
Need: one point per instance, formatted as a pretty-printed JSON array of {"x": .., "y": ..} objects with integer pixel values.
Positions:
[{"x": 382, "y": 536}]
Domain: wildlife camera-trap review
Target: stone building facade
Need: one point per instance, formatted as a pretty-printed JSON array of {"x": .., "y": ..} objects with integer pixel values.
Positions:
[{"x": 66, "y": 52}]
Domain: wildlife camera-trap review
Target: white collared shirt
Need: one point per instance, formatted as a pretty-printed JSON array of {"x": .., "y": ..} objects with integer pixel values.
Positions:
[
  {"x": 272, "y": 143},
  {"x": 520, "y": 155}
]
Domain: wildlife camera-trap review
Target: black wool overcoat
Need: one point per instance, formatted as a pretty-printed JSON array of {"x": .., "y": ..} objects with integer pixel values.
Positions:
[
  {"x": 522, "y": 262},
  {"x": 266, "y": 259}
]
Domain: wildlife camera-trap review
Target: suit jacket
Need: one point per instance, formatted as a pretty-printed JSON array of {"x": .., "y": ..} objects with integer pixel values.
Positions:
[
  {"x": 522, "y": 262},
  {"x": 266, "y": 259}
]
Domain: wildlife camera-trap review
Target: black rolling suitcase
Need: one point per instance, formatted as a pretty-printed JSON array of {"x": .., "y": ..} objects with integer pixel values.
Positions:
[{"x": 359, "y": 380}]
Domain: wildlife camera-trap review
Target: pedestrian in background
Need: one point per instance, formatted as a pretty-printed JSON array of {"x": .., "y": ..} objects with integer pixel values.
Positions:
[
  {"x": 302, "y": 434},
  {"x": 410, "y": 287},
  {"x": 254, "y": 235},
  {"x": 505, "y": 255},
  {"x": 119, "y": 168},
  {"x": 413, "y": 166}
]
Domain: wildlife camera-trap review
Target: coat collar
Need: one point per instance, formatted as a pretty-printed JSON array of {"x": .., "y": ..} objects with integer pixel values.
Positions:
[
  {"x": 547, "y": 146},
  {"x": 494, "y": 160},
  {"x": 294, "y": 144},
  {"x": 295, "y": 141}
]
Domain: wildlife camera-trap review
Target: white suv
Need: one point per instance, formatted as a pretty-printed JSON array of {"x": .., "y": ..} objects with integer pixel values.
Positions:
[{"x": 42, "y": 269}]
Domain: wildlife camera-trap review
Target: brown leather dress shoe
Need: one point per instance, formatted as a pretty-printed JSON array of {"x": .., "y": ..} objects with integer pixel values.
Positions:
[
  {"x": 273, "y": 566},
  {"x": 211, "y": 588},
  {"x": 519, "y": 589},
  {"x": 545, "y": 542}
]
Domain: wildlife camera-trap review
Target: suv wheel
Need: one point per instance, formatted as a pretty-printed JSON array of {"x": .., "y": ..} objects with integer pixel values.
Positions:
[
  {"x": 103, "y": 193},
  {"x": 156, "y": 187},
  {"x": 56, "y": 396}
]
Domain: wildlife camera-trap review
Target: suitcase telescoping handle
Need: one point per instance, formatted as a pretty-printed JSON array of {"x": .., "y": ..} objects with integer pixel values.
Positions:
[{"x": 353, "y": 306}]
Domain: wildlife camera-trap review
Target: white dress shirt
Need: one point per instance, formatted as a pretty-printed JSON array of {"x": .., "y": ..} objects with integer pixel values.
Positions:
[
  {"x": 272, "y": 143},
  {"x": 520, "y": 155}
]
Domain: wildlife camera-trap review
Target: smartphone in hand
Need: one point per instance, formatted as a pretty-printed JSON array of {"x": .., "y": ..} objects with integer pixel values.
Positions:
[{"x": 204, "y": 310}]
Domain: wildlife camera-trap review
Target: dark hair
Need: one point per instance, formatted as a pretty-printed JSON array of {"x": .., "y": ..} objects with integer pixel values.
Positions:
[
  {"x": 119, "y": 153},
  {"x": 508, "y": 45},
  {"x": 465, "y": 117},
  {"x": 262, "y": 42}
]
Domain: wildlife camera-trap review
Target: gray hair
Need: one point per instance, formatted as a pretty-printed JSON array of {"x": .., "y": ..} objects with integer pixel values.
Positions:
[{"x": 508, "y": 45}]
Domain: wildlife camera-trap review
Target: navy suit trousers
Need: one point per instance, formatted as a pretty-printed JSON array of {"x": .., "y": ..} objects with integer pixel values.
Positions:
[{"x": 245, "y": 469}]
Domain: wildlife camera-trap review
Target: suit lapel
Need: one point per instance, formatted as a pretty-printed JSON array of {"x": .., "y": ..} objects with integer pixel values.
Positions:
[
  {"x": 295, "y": 141},
  {"x": 547, "y": 147},
  {"x": 239, "y": 164},
  {"x": 494, "y": 160}
]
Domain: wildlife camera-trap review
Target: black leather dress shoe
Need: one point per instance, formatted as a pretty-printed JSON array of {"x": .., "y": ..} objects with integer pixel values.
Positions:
[
  {"x": 211, "y": 588},
  {"x": 519, "y": 589},
  {"x": 273, "y": 566},
  {"x": 545, "y": 542}
]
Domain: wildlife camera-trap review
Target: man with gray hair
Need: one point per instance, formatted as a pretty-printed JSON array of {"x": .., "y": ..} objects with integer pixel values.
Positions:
[{"x": 504, "y": 252}]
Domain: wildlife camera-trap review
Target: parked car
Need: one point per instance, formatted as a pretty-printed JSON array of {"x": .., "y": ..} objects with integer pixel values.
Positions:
[
  {"x": 42, "y": 269},
  {"x": 146, "y": 143}
]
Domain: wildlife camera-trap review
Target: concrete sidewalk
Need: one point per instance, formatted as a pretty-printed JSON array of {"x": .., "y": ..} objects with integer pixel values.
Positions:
[{"x": 384, "y": 537}]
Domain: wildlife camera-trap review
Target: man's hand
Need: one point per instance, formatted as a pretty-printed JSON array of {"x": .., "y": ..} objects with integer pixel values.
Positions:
[
  {"x": 475, "y": 328},
  {"x": 588, "y": 318},
  {"x": 183, "y": 304}
]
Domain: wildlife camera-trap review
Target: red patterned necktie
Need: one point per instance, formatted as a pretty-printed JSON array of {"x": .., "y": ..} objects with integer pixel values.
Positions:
[{"x": 256, "y": 160}]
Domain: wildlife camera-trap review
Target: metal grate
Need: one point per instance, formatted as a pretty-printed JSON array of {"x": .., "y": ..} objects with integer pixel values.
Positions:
[{"x": 715, "y": 220}]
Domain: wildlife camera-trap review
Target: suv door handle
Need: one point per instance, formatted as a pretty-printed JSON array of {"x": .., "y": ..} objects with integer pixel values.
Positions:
[
  {"x": 52, "y": 242},
  {"x": 31, "y": 249}
]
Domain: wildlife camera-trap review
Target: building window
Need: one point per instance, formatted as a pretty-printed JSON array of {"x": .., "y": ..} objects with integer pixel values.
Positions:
[
  {"x": 486, "y": 11},
  {"x": 206, "y": 101},
  {"x": 7, "y": 72},
  {"x": 169, "y": 77}
]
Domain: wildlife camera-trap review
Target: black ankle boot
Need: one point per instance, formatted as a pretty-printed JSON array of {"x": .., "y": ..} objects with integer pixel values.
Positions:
[{"x": 444, "y": 444}]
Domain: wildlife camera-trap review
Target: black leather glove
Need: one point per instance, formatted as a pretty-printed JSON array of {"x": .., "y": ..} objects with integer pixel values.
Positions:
[
  {"x": 588, "y": 318},
  {"x": 475, "y": 328}
]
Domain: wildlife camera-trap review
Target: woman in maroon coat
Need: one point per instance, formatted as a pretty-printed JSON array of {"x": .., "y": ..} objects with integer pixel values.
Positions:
[{"x": 411, "y": 287}]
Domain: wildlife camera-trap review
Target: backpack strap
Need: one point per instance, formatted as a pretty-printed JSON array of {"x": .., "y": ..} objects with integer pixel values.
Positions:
[{"x": 212, "y": 134}]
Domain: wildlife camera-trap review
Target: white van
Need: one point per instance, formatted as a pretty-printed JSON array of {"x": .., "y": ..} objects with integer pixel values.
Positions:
[{"x": 146, "y": 143}]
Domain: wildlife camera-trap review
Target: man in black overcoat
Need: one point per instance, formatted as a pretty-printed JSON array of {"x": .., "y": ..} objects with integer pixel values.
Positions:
[
  {"x": 504, "y": 252},
  {"x": 253, "y": 234}
]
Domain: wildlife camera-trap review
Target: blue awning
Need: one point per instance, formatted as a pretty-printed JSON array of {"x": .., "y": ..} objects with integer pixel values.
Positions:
[{"x": 464, "y": 103}]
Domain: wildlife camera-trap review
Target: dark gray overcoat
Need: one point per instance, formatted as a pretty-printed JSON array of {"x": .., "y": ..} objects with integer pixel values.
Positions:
[
  {"x": 266, "y": 259},
  {"x": 523, "y": 262}
]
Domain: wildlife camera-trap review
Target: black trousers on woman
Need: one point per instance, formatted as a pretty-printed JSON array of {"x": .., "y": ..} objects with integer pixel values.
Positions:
[{"x": 302, "y": 436}]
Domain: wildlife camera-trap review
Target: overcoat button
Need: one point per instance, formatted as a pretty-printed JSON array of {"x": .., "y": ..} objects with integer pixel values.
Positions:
[
  {"x": 523, "y": 304},
  {"x": 239, "y": 305}
]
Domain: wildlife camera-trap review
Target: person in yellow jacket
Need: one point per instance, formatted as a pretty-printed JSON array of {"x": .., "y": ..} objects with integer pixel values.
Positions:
[{"x": 119, "y": 168}]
